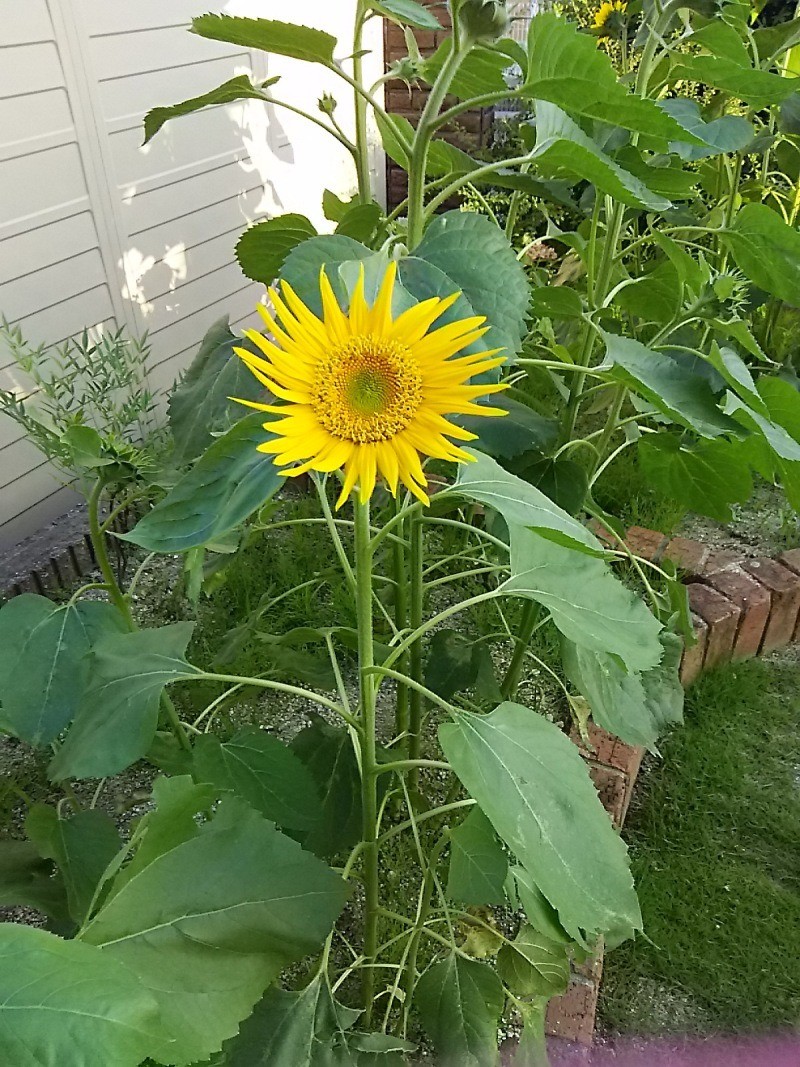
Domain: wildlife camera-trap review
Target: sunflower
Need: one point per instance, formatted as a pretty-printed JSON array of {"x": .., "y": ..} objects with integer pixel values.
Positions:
[
  {"x": 610, "y": 15},
  {"x": 366, "y": 392}
]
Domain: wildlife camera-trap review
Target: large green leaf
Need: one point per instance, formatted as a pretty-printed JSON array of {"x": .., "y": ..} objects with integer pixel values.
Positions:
[
  {"x": 230, "y": 481},
  {"x": 566, "y": 67},
  {"x": 665, "y": 383},
  {"x": 758, "y": 88},
  {"x": 65, "y": 1002},
  {"x": 531, "y": 782},
  {"x": 82, "y": 846},
  {"x": 520, "y": 503},
  {"x": 304, "y": 1029},
  {"x": 533, "y": 965},
  {"x": 481, "y": 70},
  {"x": 207, "y": 946},
  {"x": 27, "y": 880},
  {"x": 327, "y": 752},
  {"x": 730, "y": 133},
  {"x": 119, "y": 713},
  {"x": 521, "y": 430},
  {"x": 472, "y": 251},
  {"x": 563, "y": 148},
  {"x": 263, "y": 771},
  {"x": 43, "y": 662},
  {"x": 636, "y": 707},
  {"x": 771, "y": 449},
  {"x": 767, "y": 250},
  {"x": 279, "y": 38},
  {"x": 460, "y": 1002},
  {"x": 478, "y": 864},
  {"x": 406, "y": 12},
  {"x": 304, "y": 263},
  {"x": 586, "y": 602},
  {"x": 200, "y": 405},
  {"x": 707, "y": 477},
  {"x": 238, "y": 88},
  {"x": 262, "y": 249}
]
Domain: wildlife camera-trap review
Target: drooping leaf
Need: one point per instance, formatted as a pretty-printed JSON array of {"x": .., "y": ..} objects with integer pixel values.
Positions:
[
  {"x": 238, "y": 88},
  {"x": 706, "y": 477},
  {"x": 665, "y": 383},
  {"x": 472, "y": 251},
  {"x": 26, "y": 880},
  {"x": 262, "y": 249},
  {"x": 767, "y": 250},
  {"x": 199, "y": 405},
  {"x": 459, "y": 1003},
  {"x": 521, "y": 504},
  {"x": 119, "y": 713},
  {"x": 279, "y": 38},
  {"x": 566, "y": 67},
  {"x": 407, "y": 13},
  {"x": 771, "y": 449},
  {"x": 207, "y": 947},
  {"x": 585, "y": 600},
  {"x": 262, "y": 771},
  {"x": 758, "y": 88},
  {"x": 82, "y": 846},
  {"x": 532, "y": 784},
  {"x": 730, "y": 133},
  {"x": 43, "y": 662},
  {"x": 478, "y": 864},
  {"x": 541, "y": 915},
  {"x": 533, "y": 966},
  {"x": 636, "y": 707},
  {"x": 449, "y": 668},
  {"x": 64, "y": 1001},
  {"x": 328, "y": 753},
  {"x": 519, "y": 431},
  {"x": 230, "y": 481},
  {"x": 563, "y": 148}
]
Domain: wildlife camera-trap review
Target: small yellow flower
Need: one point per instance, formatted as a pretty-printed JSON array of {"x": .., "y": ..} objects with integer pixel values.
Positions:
[
  {"x": 609, "y": 11},
  {"x": 367, "y": 392}
]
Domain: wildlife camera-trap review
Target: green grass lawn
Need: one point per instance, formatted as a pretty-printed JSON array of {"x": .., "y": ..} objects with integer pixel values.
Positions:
[{"x": 715, "y": 843}]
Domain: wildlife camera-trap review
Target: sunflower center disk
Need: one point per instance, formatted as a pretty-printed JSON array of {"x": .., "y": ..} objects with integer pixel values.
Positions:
[{"x": 368, "y": 389}]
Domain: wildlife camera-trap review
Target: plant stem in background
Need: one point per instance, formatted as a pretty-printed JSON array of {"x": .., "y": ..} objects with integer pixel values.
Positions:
[
  {"x": 401, "y": 622},
  {"x": 360, "y": 105},
  {"x": 530, "y": 615},
  {"x": 369, "y": 763},
  {"x": 415, "y": 621}
]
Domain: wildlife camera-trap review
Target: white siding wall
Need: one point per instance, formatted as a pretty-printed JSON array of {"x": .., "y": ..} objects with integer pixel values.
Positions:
[{"x": 96, "y": 229}]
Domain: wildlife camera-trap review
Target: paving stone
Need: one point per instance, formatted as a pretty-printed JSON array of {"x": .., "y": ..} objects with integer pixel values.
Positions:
[
  {"x": 722, "y": 561},
  {"x": 649, "y": 544},
  {"x": 612, "y": 789},
  {"x": 722, "y": 619},
  {"x": 753, "y": 600},
  {"x": 784, "y": 587},
  {"x": 572, "y": 1015},
  {"x": 609, "y": 750}
]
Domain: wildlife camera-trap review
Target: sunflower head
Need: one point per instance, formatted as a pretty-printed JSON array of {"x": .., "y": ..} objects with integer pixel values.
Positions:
[
  {"x": 610, "y": 19},
  {"x": 365, "y": 391}
]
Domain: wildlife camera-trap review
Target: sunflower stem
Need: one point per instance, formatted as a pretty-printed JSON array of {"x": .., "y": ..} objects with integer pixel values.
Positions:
[
  {"x": 401, "y": 622},
  {"x": 415, "y": 622},
  {"x": 367, "y": 740},
  {"x": 361, "y": 155}
]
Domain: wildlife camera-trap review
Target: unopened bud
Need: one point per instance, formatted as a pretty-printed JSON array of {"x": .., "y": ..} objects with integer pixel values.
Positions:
[
  {"x": 482, "y": 20},
  {"x": 326, "y": 104}
]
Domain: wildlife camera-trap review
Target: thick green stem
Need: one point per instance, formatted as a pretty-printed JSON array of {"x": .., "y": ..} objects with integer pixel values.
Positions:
[
  {"x": 369, "y": 762},
  {"x": 415, "y": 658},
  {"x": 527, "y": 624},
  {"x": 361, "y": 155},
  {"x": 401, "y": 622},
  {"x": 418, "y": 163}
]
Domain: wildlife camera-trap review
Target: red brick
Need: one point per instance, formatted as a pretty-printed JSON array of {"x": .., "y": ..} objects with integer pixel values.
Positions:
[
  {"x": 722, "y": 561},
  {"x": 753, "y": 600},
  {"x": 791, "y": 559},
  {"x": 692, "y": 659},
  {"x": 722, "y": 619},
  {"x": 649, "y": 544},
  {"x": 611, "y": 786},
  {"x": 688, "y": 556},
  {"x": 602, "y": 533},
  {"x": 572, "y": 1015},
  {"x": 784, "y": 586},
  {"x": 609, "y": 750}
]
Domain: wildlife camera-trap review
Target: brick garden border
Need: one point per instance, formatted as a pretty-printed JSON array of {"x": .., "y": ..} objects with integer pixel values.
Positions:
[{"x": 740, "y": 608}]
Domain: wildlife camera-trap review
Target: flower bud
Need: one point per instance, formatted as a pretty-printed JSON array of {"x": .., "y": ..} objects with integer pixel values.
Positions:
[
  {"x": 482, "y": 20},
  {"x": 326, "y": 104}
]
